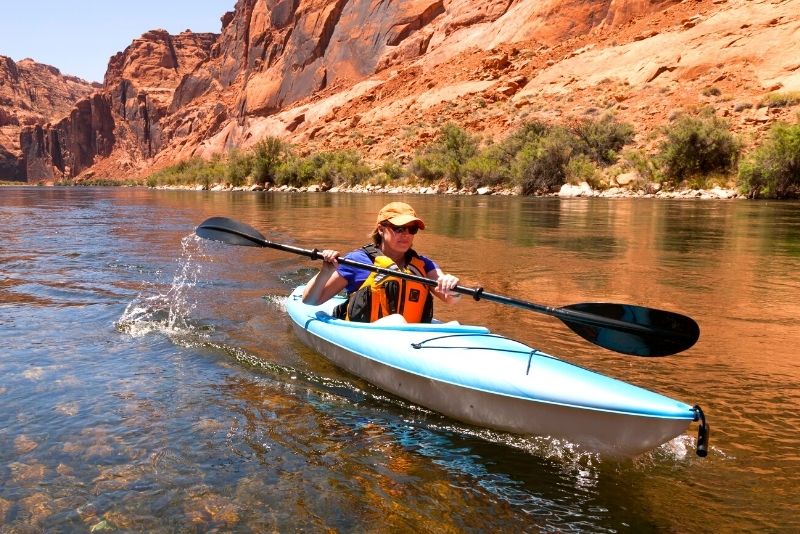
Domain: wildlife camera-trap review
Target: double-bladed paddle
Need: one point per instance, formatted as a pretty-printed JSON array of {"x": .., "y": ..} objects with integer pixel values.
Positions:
[{"x": 624, "y": 328}]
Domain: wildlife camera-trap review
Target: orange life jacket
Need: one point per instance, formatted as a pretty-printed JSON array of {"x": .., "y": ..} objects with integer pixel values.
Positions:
[{"x": 383, "y": 294}]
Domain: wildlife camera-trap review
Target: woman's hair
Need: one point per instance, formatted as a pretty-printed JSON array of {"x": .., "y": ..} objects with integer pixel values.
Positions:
[{"x": 376, "y": 237}]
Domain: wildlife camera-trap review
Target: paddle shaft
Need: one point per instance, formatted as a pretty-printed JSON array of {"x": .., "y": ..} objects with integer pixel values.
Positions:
[{"x": 566, "y": 315}]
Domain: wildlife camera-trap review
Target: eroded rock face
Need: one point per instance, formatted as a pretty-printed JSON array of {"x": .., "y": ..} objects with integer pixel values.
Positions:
[
  {"x": 138, "y": 89},
  {"x": 330, "y": 43},
  {"x": 32, "y": 93},
  {"x": 63, "y": 149},
  {"x": 273, "y": 55},
  {"x": 156, "y": 62}
]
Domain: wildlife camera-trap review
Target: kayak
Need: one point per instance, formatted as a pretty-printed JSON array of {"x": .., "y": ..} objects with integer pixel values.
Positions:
[{"x": 472, "y": 375}]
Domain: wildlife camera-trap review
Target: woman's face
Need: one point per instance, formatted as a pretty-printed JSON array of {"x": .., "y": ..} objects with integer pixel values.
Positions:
[{"x": 397, "y": 238}]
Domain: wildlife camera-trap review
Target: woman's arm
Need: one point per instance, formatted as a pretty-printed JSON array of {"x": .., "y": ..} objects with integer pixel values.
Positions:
[{"x": 326, "y": 283}]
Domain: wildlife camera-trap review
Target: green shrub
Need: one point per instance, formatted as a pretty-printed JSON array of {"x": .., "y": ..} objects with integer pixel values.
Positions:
[
  {"x": 240, "y": 166},
  {"x": 646, "y": 166},
  {"x": 698, "y": 145},
  {"x": 267, "y": 155},
  {"x": 773, "y": 170},
  {"x": 340, "y": 167},
  {"x": 580, "y": 168},
  {"x": 333, "y": 168},
  {"x": 696, "y": 182},
  {"x": 426, "y": 167},
  {"x": 540, "y": 166},
  {"x": 295, "y": 171},
  {"x": 390, "y": 171},
  {"x": 189, "y": 172},
  {"x": 536, "y": 157},
  {"x": 539, "y": 158},
  {"x": 491, "y": 167},
  {"x": 602, "y": 139},
  {"x": 98, "y": 181},
  {"x": 529, "y": 132},
  {"x": 781, "y": 100},
  {"x": 446, "y": 157},
  {"x": 494, "y": 165},
  {"x": 210, "y": 172}
]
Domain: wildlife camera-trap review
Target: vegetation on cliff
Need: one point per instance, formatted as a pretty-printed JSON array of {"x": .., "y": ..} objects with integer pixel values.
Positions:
[
  {"x": 773, "y": 170},
  {"x": 697, "y": 151}
]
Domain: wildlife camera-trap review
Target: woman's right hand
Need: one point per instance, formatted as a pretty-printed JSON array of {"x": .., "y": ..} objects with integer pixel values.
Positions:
[
  {"x": 329, "y": 259},
  {"x": 327, "y": 282}
]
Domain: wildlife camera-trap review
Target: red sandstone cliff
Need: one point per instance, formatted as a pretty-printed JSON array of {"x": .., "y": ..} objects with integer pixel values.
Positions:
[
  {"x": 32, "y": 93},
  {"x": 335, "y": 73},
  {"x": 121, "y": 123}
]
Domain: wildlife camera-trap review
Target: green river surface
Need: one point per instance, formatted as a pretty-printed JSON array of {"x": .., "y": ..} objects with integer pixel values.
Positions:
[{"x": 150, "y": 381}]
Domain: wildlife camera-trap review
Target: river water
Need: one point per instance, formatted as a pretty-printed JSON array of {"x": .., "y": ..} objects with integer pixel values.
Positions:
[{"x": 150, "y": 380}]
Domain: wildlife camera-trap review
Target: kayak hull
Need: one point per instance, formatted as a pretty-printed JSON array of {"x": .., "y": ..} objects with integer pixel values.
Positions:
[{"x": 482, "y": 379}]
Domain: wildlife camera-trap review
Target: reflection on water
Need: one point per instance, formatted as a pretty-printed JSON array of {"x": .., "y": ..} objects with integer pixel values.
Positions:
[{"x": 151, "y": 381}]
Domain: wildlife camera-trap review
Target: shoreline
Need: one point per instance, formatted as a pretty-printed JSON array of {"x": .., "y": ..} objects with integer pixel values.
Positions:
[{"x": 567, "y": 190}]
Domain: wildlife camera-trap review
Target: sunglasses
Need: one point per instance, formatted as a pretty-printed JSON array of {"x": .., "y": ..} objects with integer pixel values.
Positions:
[{"x": 413, "y": 229}]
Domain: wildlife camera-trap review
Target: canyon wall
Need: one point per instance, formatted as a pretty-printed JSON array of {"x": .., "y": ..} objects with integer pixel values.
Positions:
[
  {"x": 381, "y": 76},
  {"x": 32, "y": 93}
]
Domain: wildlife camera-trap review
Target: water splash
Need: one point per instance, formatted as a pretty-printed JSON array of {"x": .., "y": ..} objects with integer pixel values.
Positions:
[
  {"x": 277, "y": 302},
  {"x": 166, "y": 311},
  {"x": 681, "y": 449}
]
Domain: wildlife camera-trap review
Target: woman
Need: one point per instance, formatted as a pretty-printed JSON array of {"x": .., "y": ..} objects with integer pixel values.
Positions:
[{"x": 372, "y": 296}]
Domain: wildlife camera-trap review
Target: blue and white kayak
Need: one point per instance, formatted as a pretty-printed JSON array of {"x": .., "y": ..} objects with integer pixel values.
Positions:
[{"x": 483, "y": 379}]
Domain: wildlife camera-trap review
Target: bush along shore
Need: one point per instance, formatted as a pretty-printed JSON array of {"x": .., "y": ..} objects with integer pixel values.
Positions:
[{"x": 696, "y": 157}]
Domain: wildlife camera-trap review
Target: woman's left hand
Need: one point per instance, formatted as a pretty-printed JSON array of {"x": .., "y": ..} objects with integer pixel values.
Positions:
[{"x": 446, "y": 283}]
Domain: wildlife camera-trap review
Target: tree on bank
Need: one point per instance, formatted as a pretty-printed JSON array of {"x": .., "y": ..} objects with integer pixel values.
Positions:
[
  {"x": 773, "y": 170},
  {"x": 698, "y": 146}
]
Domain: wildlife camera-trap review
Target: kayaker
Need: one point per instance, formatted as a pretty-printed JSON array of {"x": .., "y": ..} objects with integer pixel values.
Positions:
[{"x": 373, "y": 296}]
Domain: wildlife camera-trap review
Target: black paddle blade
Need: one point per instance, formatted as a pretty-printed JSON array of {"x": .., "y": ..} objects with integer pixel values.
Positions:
[
  {"x": 230, "y": 231},
  {"x": 659, "y": 332}
]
